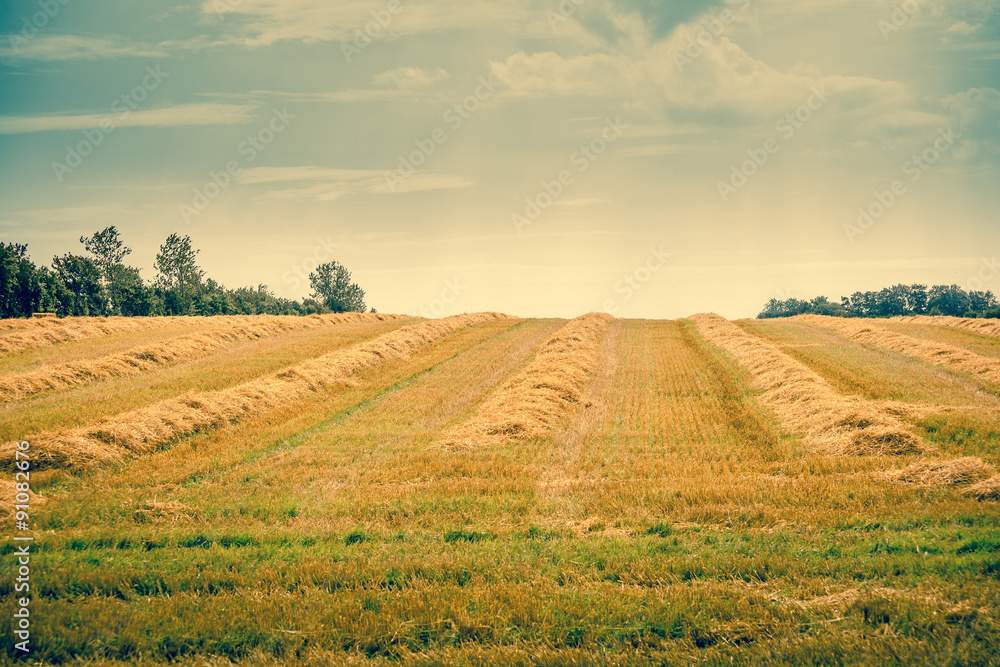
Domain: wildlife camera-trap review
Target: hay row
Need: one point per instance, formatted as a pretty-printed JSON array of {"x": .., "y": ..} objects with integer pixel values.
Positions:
[
  {"x": 986, "y": 327},
  {"x": 980, "y": 479},
  {"x": 45, "y": 332},
  {"x": 941, "y": 354},
  {"x": 152, "y": 428},
  {"x": 539, "y": 398},
  {"x": 806, "y": 403},
  {"x": 139, "y": 360}
]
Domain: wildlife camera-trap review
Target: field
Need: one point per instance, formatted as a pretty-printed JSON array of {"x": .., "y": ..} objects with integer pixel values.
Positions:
[{"x": 485, "y": 490}]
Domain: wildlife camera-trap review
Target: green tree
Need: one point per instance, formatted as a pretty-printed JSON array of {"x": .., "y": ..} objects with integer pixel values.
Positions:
[
  {"x": 20, "y": 291},
  {"x": 82, "y": 279},
  {"x": 179, "y": 275},
  {"x": 949, "y": 300},
  {"x": 109, "y": 254},
  {"x": 332, "y": 286}
]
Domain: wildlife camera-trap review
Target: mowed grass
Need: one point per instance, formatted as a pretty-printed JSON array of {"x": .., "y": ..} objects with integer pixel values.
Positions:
[
  {"x": 987, "y": 346},
  {"x": 98, "y": 346},
  {"x": 881, "y": 374},
  {"x": 223, "y": 368},
  {"x": 670, "y": 522}
]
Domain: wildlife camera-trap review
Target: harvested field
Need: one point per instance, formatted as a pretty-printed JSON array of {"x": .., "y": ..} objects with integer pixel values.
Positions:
[
  {"x": 662, "y": 511},
  {"x": 140, "y": 360},
  {"x": 952, "y": 357},
  {"x": 149, "y": 429},
  {"x": 539, "y": 398},
  {"x": 806, "y": 403}
]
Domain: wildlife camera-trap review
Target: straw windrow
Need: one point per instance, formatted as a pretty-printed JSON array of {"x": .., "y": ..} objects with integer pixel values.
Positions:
[
  {"x": 139, "y": 360},
  {"x": 948, "y": 473},
  {"x": 806, "y": 403},
  {"x": 941, "y": 354},
  {"x": 152, "y": 428},
  {"x": 538, "y": 398},
  {"x": 986, "y": 327},
  {"x": 44, "y": 332}
]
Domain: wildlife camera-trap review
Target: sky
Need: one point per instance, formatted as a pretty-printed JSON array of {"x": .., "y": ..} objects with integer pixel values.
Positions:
[{"x": 534, "y": 157}]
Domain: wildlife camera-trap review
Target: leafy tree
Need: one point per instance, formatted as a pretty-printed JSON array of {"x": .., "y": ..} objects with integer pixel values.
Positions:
[
  {"x": 81, "y": 278},
  {"x": 135, "y": 297},
  {"x": 20, "y": 291},
  {"x": 109, "y": 254},
  {"x": 949, "y": 300},
  {"x": 981, "y": 302},
  {"x": 331, "y": 285},
  {"x": 179, "y": 276}
]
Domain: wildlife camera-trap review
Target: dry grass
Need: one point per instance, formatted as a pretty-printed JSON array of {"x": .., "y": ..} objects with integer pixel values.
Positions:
[
  {"x": 941, "y": 474},
  {"x": 139, "y": 360},
  {"x": 540, "y": 397},
  {"x": 988, "y": 489},
  {"x": 942, "y": 354},
  {"x": 41, "y": 333},
  {"x": 8, "y": 491},
  {"x": 806, "y": 403},
  {"x": 986, "y": 327},
  {"x": 149, "y": 429}
]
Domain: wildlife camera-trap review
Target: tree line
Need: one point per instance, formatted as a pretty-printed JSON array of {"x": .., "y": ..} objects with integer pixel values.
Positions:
[
  {"x": 99, "y": 282},
  {"x": 892, "y": 302}
]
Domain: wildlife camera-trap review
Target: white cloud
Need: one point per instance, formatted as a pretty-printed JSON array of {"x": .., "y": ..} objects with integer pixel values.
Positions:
[
  {"x": 49, "y": 48},
  {"x": 180, "y": 115},
  {"x": 313, "y": 21},
  {"x": 410, "y": 77},
  {"x": 326, "y": 184}
]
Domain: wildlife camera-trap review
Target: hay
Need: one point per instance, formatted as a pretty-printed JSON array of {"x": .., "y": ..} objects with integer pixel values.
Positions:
[
  {"x": 156, "y": 511},
  {"x": 986, "y": 327},
  {"x": 938, "y": 474},
  {"x": 806, "y": 403},
  {"x": 988, "y": 489},
  {"x": 538, "y": 398},
  {"x": 31, "y": 334},
  {"x": 139, "y": 360},
  {"x": 941, "y": 354},
  {"x": 8, "y": 493},
  {"x": 152, "y": 428}
]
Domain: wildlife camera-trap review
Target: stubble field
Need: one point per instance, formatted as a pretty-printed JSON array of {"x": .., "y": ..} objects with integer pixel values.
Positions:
[{"x": 480, "y": 490}]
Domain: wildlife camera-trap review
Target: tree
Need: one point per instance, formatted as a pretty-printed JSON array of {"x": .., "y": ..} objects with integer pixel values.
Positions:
[
  {"x": 331, "y": 285},
  {"x": 82, "y": 279},
  {"x": 949, "y": 300},
  {"x": 109, "y": 255},
  {"x": 20, "y": 291},
  {"x": 179, "y": 274}
]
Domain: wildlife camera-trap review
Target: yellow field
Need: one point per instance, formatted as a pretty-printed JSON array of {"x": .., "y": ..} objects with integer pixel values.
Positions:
[{"x": 490, "y": 490}]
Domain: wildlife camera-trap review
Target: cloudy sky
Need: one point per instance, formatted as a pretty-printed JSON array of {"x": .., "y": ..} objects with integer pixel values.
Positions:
[{"x": 653, "y": 159}]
